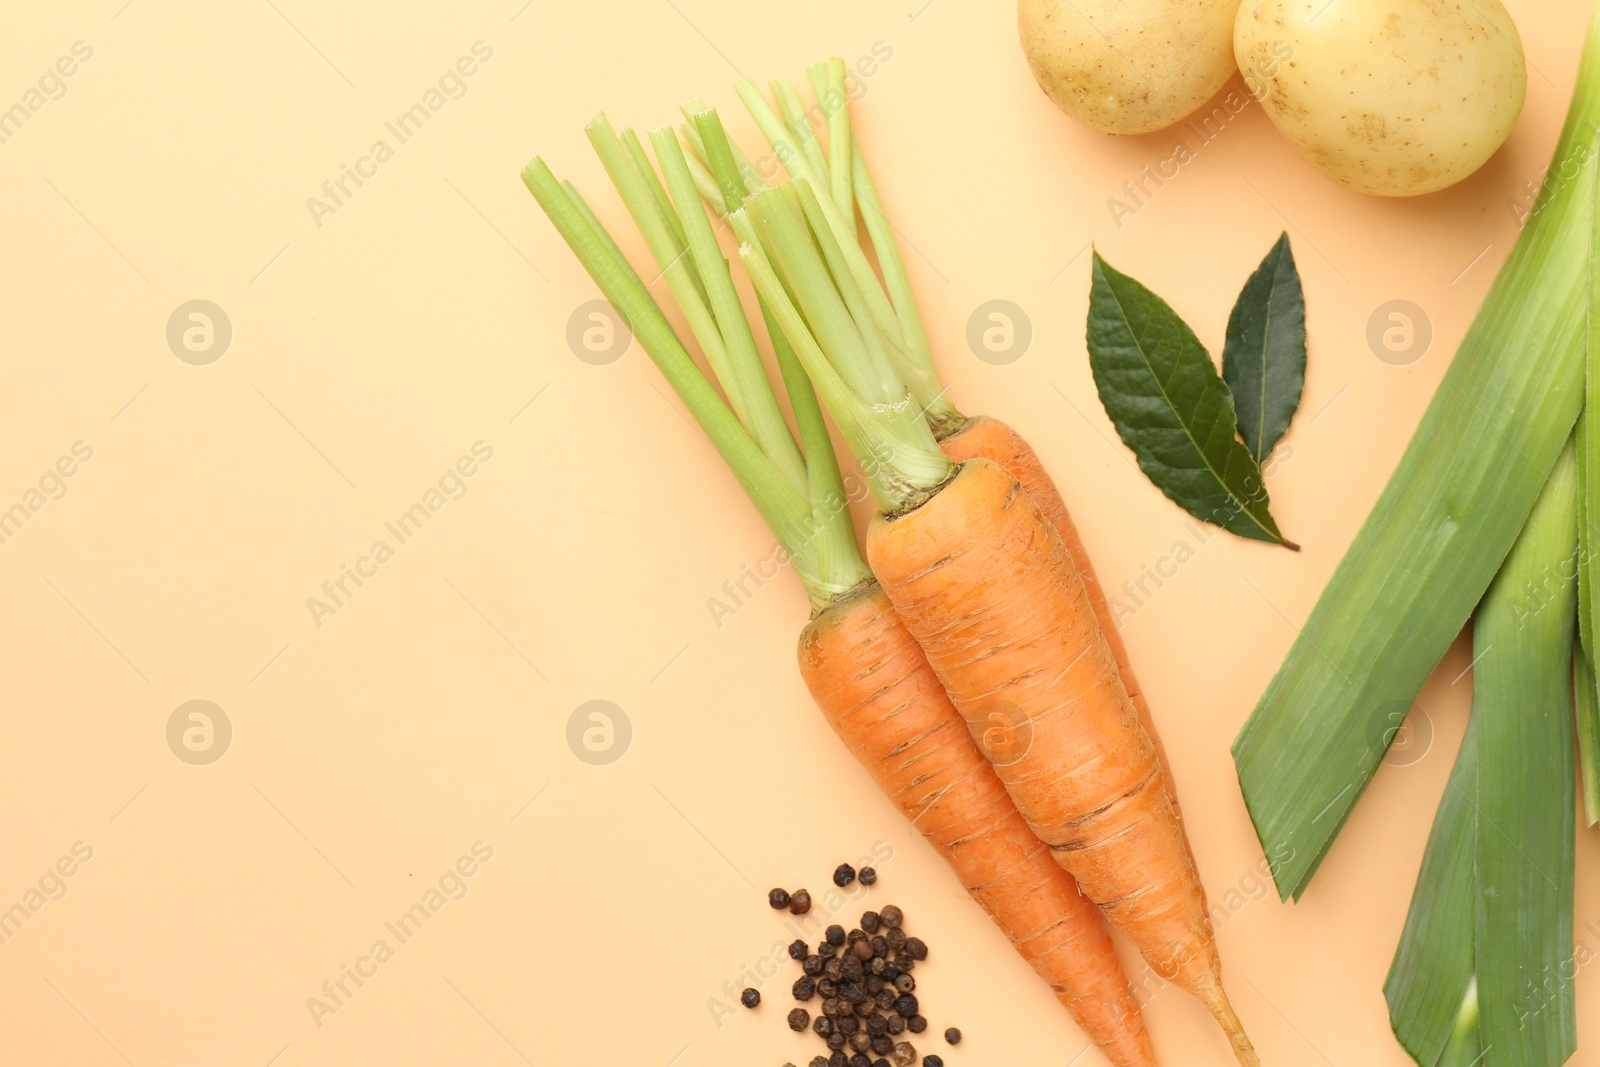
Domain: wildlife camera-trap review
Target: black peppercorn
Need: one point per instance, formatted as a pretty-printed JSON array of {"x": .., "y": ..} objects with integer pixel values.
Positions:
[
  {"x": 778, "y": 898},
  {"x": 869, "y": 922},
  {"x": 826, "y": 988},
  {"x": 904, "y": 962},
  {"x": 906, "y": 1005},
  {"x": 750, "y": 997},
  {"x": 916, "y": 1024},
  {"x": 953, "y": 1036},
  {"x": 916, "y": 948},
  {"x": 882, "y": 1045},
  {"x": 877, "y": 1024},
  {"x": 812, "y": 965},
  {"x": 833, "y": 969},
  {"x": 843, "y": 875},
  {"x": 847, "y": 1024},
  {"x": 896, "y": 938},
  {"x": 880, "y": 946},
  {"x": 885, "y": 998},
  {"x": 836, "y": 1040},
  {"x": 873, "y": 984},
  {"x": 933, "y": 1060},
  {"x": 852, "y": 993},
  {"x": 897, "y": 1025},
  {"x": 860, "y": 1042},
  {"x": 804, "y": 988},
  {"x": 891, "y": 915},
  {"x": 858, "y": 1060},
  {"x": 867, "y": 1008},
  {"x": 891, "y": 969},
  {"x": 868, "y": 875},
  {"x": 904, "y": 1054},
  {"x": 880, "y": 1062},
  {"x": 852, "y": 969},
  {"x": 905, "y": 984},
  {"x": 838, "y": 1059},
  {"x": 799, "y": 1019},
  {"x": 818, "y": 1061},
  {"x": 835, "y": 934},
  {"x": 797, "y": 950},
  {"x": 863, "y": 950},
  {"x": 854, "y": 936},
  {"x": 822, "y": 1026},
  {"x": 799, "y": 902}
]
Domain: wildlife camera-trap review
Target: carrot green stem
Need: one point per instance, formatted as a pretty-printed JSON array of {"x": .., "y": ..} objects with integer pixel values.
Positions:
[
  {"x": 747, "y": 376},
  {"x": 795, "y": 162},
  {"x": 889, "y": 437},
  {"x": 916, "y": 366},
  {"x": 787, "y": 511},
  {"x": 827, "y": 81}
]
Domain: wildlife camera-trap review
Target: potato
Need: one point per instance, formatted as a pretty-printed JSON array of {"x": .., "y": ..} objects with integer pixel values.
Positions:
[
  {"x": 1128, "y": 66},
  {"x": 1391, "y": 97}
]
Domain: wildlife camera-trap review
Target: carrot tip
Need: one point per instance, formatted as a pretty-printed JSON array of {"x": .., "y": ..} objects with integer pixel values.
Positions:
[{"x": 1217, "y": 1001}]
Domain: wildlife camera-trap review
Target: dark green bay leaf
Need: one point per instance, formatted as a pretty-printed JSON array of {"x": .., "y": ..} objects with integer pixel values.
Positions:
[
  {"x": 1264, "y": 356},
  {"x": 1170, "y": 406}
]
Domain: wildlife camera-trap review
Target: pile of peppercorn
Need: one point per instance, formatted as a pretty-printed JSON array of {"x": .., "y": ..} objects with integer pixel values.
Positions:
[{"x": 863, "y": 979}]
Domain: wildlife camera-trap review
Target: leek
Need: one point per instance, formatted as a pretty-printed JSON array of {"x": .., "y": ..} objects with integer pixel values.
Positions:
[{"x": 1441, "y": 528}]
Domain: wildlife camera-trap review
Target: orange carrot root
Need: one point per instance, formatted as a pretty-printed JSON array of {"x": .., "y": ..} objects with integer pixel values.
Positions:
[
  {"x": 873, "y": 683},
  {"x": 988, "y": 438},
  {"x": 989, "y": 590}
]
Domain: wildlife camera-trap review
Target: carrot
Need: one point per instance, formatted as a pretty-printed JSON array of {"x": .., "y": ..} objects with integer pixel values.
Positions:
[
  {"x": 863, "y": 668},
  {"x": 989, "y": 438},
  {"x": 989, "y": 590},
  {"x": 872, "y": 681}
]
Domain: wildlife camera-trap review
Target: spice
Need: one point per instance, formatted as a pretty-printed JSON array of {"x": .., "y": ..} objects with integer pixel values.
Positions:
[
  {"x": 804, "y": 988},
  {"x": 869, "y": 920},
  {"x": 797, "y": 950},
  {"x": 916, "y": 948},
  {"x": 904, "y": 1054},
  {"x": 905, "y": 984},
  {"x": 891, "y": 915},
  {"x": 799, "y": 1019},
  {"x": 897, "y": 1025},
  {"x": 779, "y": 899},
  {"x": 860, "y": 1042},
  {"x": 847, "y": 1024},
  {"x": 953, "y": 1036},
  {"x": 916, "y": 1024},
  {"x": 880, "y": 946},
  {"x": 750, "y": 997},
  {"x": 863, "y": 950},
  {"x": 934, "y": 1060},
  {"x": 896, "y": 938},
  {"x": 868, "y": 875},
  {"x": 833, "y": 969},
  {"x": 826, "y": 987},
  {"x": 813, "y": 966},
  {"x": 882, "y": 1045},
  {"x": 799, "y": 903},
  {"x": 836, "y": 1040},
  {"x": 835, "y": 934},
  {"x": 877, "y": 1024},
  {"x": 818, "y": 1061},
  {"x": 822, "y": 1026},
  {"x": 843, "y": 875},
  {"x": 838, "y": 1059}
]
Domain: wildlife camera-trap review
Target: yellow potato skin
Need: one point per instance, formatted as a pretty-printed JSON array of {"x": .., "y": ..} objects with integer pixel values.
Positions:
[
  {"x": 1128, "y": 66},
  {"x": 1389, "y": 97}
]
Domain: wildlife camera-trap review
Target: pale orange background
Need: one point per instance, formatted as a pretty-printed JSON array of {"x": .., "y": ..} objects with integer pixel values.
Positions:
[{"x": 371, "y": 352}]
